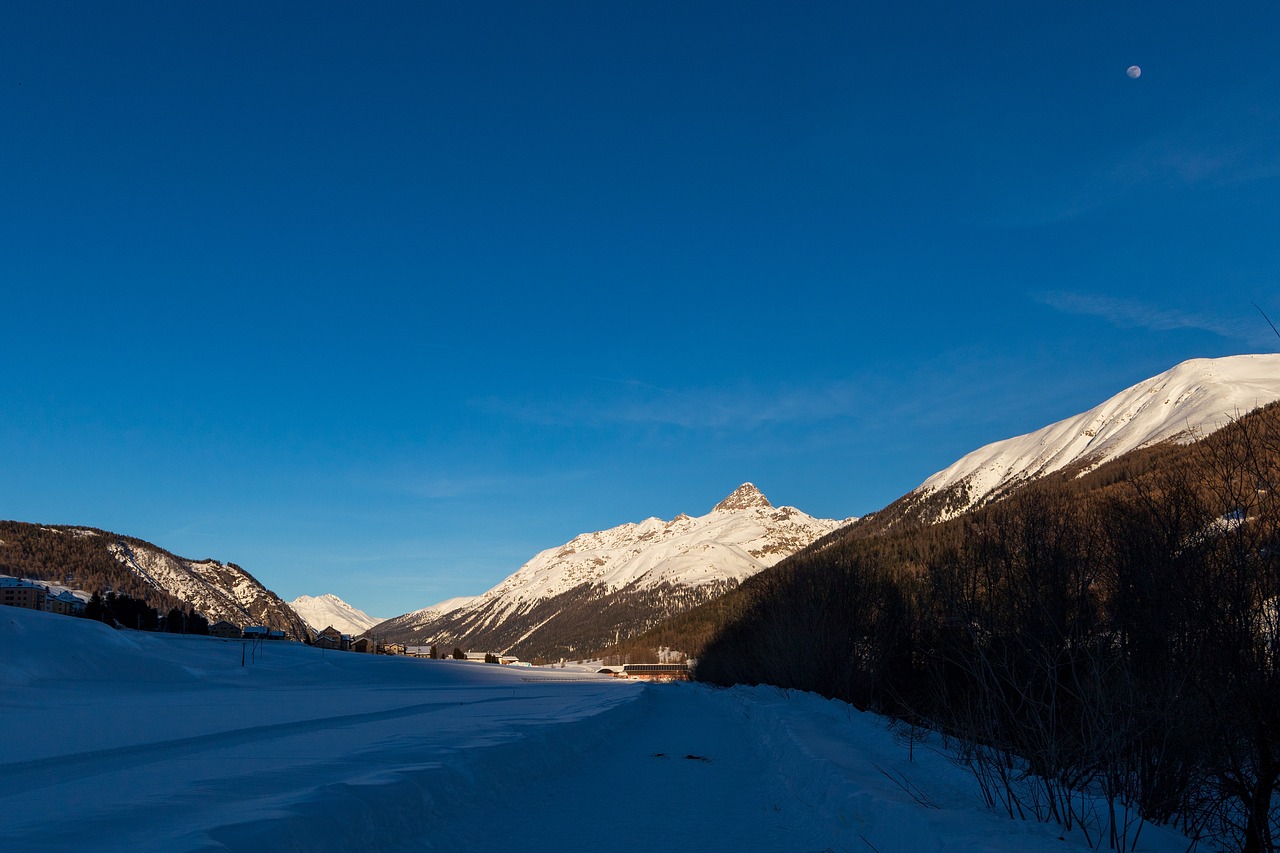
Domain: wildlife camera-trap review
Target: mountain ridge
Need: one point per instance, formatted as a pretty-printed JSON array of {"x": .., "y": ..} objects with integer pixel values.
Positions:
[
  {"x": 641, "y": 571},
  {"x": 1190, "y": 400}
]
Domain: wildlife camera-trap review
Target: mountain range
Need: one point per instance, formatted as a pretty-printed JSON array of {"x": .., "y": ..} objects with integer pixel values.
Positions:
[
  {"x": 607, "y": 586},
  {"x": 611, "y": 584}
]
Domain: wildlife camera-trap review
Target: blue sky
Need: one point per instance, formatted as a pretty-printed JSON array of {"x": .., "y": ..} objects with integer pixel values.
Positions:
[{"x": 382, "y": 299}]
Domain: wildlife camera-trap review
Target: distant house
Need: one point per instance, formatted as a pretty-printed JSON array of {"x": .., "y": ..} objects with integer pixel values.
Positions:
[
  {"x": 225, "y": 629},
  {"x": 363, "y": 645},
  {"x": 332, "y": 638},
  {"x": 255, "y": 632}
]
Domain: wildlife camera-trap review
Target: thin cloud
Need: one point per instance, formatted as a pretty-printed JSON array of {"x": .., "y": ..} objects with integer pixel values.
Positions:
[
  {"x": 1211, "y": 150},
  {"x": 1133, "y": 314},
  {"x": 743, "y": 408},
  {"x": 450, "y": 486}
]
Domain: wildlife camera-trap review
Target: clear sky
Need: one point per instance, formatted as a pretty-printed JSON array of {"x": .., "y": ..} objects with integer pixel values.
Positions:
[{"x": 381, "y": 299}]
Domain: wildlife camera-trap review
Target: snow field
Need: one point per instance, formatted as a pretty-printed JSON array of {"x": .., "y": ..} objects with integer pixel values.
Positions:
[{"x": 132, "y": 741}]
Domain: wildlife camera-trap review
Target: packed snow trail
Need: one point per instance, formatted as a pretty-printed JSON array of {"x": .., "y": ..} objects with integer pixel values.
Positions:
[{"x": 686, "y": 773}]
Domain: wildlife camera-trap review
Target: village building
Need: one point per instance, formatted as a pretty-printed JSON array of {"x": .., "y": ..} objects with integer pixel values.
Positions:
[
  {"x": 66, "y": 603},
  {"x": 654, "y": 671},
  {"x": 19, "y": 593},
  {"x": 223, "y": 628},
  {"x": 332, "y": 638}
]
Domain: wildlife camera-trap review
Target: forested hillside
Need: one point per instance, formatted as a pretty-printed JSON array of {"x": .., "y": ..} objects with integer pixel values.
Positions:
[
  {"x": 1119, "y": 631},
  {"x": 97, "y": 561},
  {"x": 76, "y": 557}
]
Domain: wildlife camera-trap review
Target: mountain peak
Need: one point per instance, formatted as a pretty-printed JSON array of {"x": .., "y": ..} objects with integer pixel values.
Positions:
[
  {"x": 321, "y": 611},
  {"x": 745, "y": 496}
]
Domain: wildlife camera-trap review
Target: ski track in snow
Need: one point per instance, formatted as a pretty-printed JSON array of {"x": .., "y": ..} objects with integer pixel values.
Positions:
[{"x": 122, "y": 741}]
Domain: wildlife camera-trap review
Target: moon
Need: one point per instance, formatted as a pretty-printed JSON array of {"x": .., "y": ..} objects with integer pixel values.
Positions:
[{"x": 1134, "y": 71}]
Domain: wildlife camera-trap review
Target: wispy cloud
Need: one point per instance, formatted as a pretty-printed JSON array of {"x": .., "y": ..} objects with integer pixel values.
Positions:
[
  {"x": 1231, "y": 145},
  {"x": 1134, "y": 314},
  {"x": 744, "y": 407},
  {"x": 438, "y": 486}
]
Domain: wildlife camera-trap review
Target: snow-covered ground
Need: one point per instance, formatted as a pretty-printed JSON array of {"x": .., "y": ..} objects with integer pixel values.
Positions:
[{"x": 130, "y": 741}]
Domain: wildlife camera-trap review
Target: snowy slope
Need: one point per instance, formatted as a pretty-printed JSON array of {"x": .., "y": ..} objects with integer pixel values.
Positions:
[
  {"x": 221, "y": 591},
  {"x": 166, "y": 742},
  {"x": 444, "y": 608},
  {"x": 1187, "y": 402},
  {"x": 323, "y": 611},
  {"x": 741, "y": 536}
]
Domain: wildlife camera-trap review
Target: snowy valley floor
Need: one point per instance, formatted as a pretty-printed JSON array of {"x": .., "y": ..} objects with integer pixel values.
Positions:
[{"x": 130, "y": 741}]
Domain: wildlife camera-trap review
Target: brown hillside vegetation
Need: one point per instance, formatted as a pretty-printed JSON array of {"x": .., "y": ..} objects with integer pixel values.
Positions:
[
  {"x": 76, "y": 557},
  {"x": 1118, "y": 631}
]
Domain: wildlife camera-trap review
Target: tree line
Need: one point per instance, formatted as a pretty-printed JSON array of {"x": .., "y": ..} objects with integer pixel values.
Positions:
[{"x": 123, "y": 610}]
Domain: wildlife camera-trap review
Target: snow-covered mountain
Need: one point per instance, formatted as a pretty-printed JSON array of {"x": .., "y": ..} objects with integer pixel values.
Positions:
[
  {"x": 1191, "y": 400},
  {"x": 323, "y": 611},
  {"x": 221, "y": 591},
  {"x": 617, "y": 582}
]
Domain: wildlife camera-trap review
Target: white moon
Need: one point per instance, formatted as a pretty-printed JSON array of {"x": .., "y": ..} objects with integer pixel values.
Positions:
[{"x": 1134, "y": 71}]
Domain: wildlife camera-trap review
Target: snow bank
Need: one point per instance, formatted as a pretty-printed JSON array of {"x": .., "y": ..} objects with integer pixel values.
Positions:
[{"x": 877, "y": 791}]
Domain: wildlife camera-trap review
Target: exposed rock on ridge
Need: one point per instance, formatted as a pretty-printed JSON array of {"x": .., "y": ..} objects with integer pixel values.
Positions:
[
  {"x": 745, "y": 496},
  {"x": 221, "y": 591}
]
